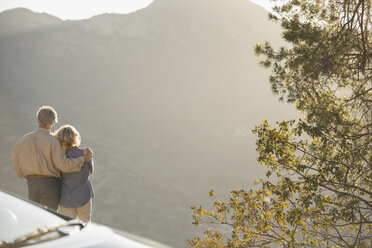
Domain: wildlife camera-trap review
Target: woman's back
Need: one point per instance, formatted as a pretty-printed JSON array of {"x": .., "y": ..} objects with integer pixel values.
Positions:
[{"x": 76, "y": 188}]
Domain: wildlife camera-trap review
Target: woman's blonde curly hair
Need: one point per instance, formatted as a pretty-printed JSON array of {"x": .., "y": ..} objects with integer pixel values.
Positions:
[{"x": 68, "y": 137}]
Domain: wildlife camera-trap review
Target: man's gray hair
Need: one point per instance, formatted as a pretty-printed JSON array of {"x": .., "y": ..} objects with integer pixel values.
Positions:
[{"x": 47, "y": 116}]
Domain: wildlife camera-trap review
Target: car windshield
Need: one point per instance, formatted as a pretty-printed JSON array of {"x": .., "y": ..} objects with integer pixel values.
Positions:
[{"x": 19, "y": 217}]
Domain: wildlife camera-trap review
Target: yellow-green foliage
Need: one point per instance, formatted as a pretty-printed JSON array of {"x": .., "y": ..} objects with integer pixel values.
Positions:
[{"x": 321, "y": 195}]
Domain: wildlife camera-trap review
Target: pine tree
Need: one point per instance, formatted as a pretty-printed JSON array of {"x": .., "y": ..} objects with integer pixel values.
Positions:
[{"x": 318, "y": 190}]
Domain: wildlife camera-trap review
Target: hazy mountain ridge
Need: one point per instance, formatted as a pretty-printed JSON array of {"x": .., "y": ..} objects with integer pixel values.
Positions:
[
  {"x": 23, "y": 20},
  {"x": 165, "y": 96}
]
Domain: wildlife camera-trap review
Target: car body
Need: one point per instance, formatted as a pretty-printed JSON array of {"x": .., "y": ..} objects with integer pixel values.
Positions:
[{"x": 24, "y": 223}]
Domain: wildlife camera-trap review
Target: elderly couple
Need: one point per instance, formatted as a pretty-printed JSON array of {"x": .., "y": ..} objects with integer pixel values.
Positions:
[{"x": 56, "y": 169}]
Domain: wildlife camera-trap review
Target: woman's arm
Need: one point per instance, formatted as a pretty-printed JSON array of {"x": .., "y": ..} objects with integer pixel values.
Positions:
[{"x": 91, "y": 167}]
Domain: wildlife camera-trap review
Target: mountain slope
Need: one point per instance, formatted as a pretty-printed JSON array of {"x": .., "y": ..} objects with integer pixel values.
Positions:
[
  {"x": 23, "y": 20},
  {"x": 165, "y": 96}
]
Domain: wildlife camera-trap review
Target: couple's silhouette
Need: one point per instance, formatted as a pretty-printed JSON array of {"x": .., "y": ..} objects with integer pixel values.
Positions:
[{"x": 56, "y": 169}]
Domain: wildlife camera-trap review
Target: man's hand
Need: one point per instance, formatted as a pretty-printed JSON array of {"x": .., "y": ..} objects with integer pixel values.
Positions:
[{"x": 88, "y": 154}]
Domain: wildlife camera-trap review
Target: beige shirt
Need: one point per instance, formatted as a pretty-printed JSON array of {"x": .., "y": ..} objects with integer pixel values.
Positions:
[{"x": 40, "y": 153}]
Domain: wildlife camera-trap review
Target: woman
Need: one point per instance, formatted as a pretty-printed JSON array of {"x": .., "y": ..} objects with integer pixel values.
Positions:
[{"x": 76, "y": 190}]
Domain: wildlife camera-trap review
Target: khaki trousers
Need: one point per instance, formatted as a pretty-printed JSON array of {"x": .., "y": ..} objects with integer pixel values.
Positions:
[{"x": 82, "y": 213}]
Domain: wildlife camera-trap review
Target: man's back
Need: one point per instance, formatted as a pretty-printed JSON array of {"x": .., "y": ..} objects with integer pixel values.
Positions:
[{"x": 42, "y": 154}]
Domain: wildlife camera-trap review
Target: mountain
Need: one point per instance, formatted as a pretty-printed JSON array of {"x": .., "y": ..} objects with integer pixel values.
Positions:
[
  {"x": 24, "y": 20},
  {"x": 165, "y": 96}
]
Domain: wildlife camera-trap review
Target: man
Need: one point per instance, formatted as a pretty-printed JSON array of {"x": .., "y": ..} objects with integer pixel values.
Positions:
[{"x": 39, "y": 158}]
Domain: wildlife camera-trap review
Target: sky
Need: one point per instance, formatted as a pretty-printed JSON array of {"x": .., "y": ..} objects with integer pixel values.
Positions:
[{"x": 85, "y": 9}]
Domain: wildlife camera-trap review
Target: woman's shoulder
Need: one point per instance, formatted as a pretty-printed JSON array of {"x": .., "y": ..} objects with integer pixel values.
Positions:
[{"x": 75, "y": 152}]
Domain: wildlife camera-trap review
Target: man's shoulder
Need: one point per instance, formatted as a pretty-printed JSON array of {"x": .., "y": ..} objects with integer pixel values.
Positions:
[
  {"x": 30, "y": 134},
  {"x": 27, "y": 136},
  {"x": 45, "y": 138},
  {"x": 50, "y": 137}
]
